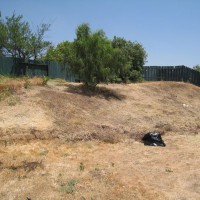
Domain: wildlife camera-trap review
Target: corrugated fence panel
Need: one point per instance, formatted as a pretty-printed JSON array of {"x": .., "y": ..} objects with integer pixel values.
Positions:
[
  {"x": 59, "y": 70},
  {"x": 56, "y": 71},
  {"x": 36, "y": 70},
  {"x": 10, "y": 66},
  {"x": 171, "y": 73},
  {"x": 6, "y": 65},
  {"x": 69, "y": 76},
  {"x": 151, "y": 73}
]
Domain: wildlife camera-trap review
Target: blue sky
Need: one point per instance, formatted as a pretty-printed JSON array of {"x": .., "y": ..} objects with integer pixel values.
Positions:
[{"x": 169, "y": 30}]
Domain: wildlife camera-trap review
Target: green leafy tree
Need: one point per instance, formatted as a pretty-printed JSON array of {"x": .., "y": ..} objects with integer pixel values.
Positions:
[
  {"x": 121, "y": 59},
  {"x": 197, "y": 68},
  {"x": 19, "y": 41},
  {"x": 37, "y": 45},
  {"x": 134, "y": 57},
  {"x": 96, "y": 59},
  {"x": 121, "y": 66},
  {"x": 61, "y": 53},
  {"x": 92, "y": 55}
]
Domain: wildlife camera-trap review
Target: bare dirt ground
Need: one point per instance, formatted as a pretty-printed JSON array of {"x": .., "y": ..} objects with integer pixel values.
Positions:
[{"x": 62, "y": 142}]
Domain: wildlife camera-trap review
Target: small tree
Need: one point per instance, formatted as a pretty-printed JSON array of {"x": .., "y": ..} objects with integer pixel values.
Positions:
[{"x": 92, "y": 53}]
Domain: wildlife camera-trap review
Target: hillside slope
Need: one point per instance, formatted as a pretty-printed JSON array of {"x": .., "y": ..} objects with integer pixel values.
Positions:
[
  {"x": 68, "y": 112},
  {"x": 63, "y": 142}
]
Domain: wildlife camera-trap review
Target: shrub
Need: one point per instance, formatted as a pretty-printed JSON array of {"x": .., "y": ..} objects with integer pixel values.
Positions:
[
  {"x": 70, "y": 187},
  {"x": 136, "y": 76},
  {"x": 45, "y": 79}
]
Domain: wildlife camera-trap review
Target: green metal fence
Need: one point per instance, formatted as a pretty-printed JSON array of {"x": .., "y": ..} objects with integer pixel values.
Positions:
[
  {"x": 59, "y": 70},
  {"x": 171, "y": 73},
  {"x": 14, "y": 66},
  {"x": 11, "y": 66},
  {"x": 6, "y": 66}
]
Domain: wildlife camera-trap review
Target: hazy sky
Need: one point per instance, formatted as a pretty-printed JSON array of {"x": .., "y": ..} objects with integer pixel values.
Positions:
[{"x": 169, "y": 30}]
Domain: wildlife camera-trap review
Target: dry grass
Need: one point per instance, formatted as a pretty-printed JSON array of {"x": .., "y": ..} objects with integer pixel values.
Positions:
[
  {"x": 10, "y": 85},
  {"x": 125, "y": 170},
  {"x": 15, "y": 84},
  {"x": 63, "y": 142}
]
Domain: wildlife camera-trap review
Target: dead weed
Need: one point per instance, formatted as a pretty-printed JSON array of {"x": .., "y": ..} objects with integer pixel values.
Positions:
[{"x": 26, "y": 166}]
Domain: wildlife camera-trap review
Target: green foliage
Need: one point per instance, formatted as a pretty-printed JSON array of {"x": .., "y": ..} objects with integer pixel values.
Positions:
[
  {"x": 61, "y": 53},
  {"x": 197, "y": 68},
  {"x": 12, "y": 101},
  {"x": 115, "y": 79},
  {"x": 4, "y": 94},
  {"x": 19, "y": 41},
  {"x": 27, "y": 84},
  {"x": 45, "y": 79},
  {"x": 121, "y": 66},
  {"x": 70, "y": 187},
  {"x": 94, "y": 58},
  {"x": 135, "y": 76},
  {"x": 130, "y": 57},
  {"x": 92, "y": 55}
]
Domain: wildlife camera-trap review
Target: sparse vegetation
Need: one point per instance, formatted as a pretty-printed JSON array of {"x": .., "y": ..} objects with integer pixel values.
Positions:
[
  {"x": 168, "y": 170},
  {"x": 102, "y": 157},
  {"x": 27, "y": 84},
  {"x": 44, "y": 153},
  {"x": 45, "y": 79},
  {"x": 9, "y": 85},
  {"x": 81, "y": 167},
  {"x": 4, "y": 93},
  {"x": 12, "y": 101},
  {"x": 70, "y": 187}
]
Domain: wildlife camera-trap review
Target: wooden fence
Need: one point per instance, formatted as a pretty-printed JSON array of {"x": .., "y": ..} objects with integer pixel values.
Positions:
[{"x": 171, "y": 73}]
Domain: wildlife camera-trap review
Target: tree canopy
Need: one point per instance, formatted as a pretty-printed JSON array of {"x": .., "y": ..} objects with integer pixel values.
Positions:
[
  {"x": 19, "y": 41},
  {"x": 97, "y": 59},
  {"x": 133, "y": 57},
  {"x": 61, "y": 53},
  {"x": 91, "y": 56},
  {"x": 197, "y": 68}
]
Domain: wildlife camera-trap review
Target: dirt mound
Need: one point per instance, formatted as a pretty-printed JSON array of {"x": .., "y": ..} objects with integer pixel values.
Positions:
[
  {"x": 62, "y": 142},
  {"x": 112, "y": 113}
]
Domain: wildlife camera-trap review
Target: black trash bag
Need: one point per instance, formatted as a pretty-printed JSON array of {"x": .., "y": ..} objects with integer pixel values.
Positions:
[{"x": 153, "y": 139}]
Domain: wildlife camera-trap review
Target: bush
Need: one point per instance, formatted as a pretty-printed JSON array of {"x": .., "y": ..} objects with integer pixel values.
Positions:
[
  {"x": 115, "y": 79},
  {"x": 45, "y": 79},
  {"x": 136, "y": 76},
  {"x": 70, "y": 187},
  {"x": 27, "y": 84}
]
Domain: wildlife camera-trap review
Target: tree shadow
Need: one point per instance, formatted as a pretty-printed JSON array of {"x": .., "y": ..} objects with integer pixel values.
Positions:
[{"x": 99, "y": 91}]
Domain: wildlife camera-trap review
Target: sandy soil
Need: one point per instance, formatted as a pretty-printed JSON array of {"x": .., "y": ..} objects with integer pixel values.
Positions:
[{"x": 62, "y": 142}]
